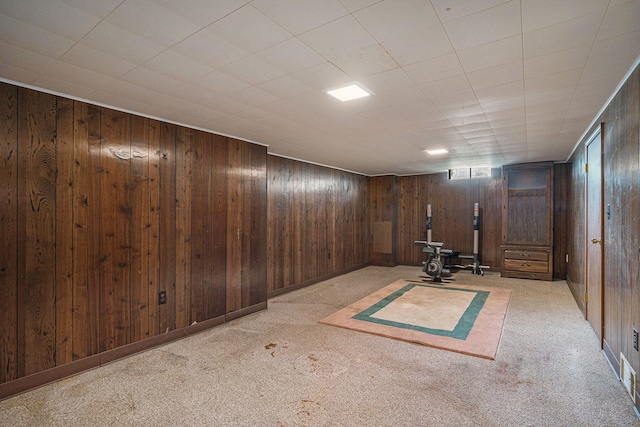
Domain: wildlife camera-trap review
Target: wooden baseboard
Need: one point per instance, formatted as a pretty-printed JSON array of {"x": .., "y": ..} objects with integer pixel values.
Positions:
[
  {"x": 30, "y": 382},
  {"x": 615, "y": 367},
  {"x": 306, "y": 283}
]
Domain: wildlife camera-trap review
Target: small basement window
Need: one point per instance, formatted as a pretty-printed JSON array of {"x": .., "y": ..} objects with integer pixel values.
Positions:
[{"x": 467, "y": 173}]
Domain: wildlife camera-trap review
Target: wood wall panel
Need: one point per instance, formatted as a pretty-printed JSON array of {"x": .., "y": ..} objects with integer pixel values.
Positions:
[
  {"x": 115, "y": 226},
  {"x": 452, "y": 212},
  {"x": 64, "y": 232},
  {"x": 621, "y": 169},
  {"x": 318, "y": 223},
  {"x": 8, "y": 233},
  {"x": 101, "y": 210},
  {"x": 86, "y": 210},
  {"x": 36, "y": 231},
  {"x": 384, "y": 208}
]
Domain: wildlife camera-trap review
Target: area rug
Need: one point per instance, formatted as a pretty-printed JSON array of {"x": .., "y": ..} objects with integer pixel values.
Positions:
[{"x": 460, "y": 318}]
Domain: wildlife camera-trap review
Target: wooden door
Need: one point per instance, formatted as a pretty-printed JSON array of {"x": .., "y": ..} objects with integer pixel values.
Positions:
[{"x": 594, "y": 231}]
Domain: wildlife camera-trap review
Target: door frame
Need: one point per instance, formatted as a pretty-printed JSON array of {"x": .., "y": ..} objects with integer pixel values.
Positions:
[{"x": 596, "y": 137}]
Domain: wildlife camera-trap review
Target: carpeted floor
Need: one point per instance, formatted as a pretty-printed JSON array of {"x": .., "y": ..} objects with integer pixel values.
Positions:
[{"x": 280, "y": 367}]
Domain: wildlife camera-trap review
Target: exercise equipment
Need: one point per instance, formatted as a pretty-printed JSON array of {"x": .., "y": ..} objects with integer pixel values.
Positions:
[
  {"x": 439, "y": 261},
  {"x": 476, "y": 267},
  {"x": 434, "y": 266}
]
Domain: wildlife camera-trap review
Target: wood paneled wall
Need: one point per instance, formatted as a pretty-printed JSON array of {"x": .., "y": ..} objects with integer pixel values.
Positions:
[
  {"x": 318, "y": 223},
  {"x": 384, "y": 220},
  {"x": 452, "y": 215},
  {"x": 100, "y": 211},
  {"x": 621, "y": 167}
]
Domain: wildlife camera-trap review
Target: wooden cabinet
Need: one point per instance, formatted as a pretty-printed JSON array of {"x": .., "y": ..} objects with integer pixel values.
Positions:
[{"x": 527, "y": 221}]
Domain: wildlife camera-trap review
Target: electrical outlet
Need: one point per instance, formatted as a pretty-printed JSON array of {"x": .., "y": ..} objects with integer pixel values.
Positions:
[
  {"x": 635, "y": 339},
  {"x": 162, "y": 297}
]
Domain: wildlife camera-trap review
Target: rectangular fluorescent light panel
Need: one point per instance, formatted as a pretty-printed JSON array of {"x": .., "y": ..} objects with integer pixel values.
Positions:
[
  {"x": 347, "y": 93},
  {"x": 435, "y": 152}
]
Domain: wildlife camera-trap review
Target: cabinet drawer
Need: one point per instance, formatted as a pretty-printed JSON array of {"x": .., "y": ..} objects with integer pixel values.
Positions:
[
  {"x": 526, "y": 255},
  {"x": 526, "y": 265}
]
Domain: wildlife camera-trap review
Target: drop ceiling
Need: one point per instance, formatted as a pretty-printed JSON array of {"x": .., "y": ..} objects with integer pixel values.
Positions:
[{"x": 495, "y": 82}]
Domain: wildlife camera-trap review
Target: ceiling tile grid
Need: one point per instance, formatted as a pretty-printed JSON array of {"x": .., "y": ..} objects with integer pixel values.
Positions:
[{"x": 494, "y": 81}]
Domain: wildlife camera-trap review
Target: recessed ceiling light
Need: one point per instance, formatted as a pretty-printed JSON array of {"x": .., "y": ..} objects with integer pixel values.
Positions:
[
  {"x": 347, "y": 93},
  {"x": 438, "y": 151}
]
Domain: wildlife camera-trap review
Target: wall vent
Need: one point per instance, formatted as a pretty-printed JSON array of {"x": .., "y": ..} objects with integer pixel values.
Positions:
[{"x": 628, "y": 377}]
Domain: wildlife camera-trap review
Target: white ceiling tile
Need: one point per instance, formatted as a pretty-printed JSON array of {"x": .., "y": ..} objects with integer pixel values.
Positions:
[
  {"x": 53, "y": 16},
  {"x": 556, "y": 62},
  {"x": 222, "y": 83},
  {"x": 202, "y": 12},
  {"x": 449, "y": 10},
  {"x": 370, "y": 60},
  {"x": 500, "y": 52},
  {"x": 125, "y": 89},
  {"x": 435, "y": 69},
  {"x": 496, "y": 76},
  {"x": 496, "y": 93},
  {"x": 66, "y": 86},
  {"x": 23, "y": 59},
  {"x": 284, "y": 87},
  {"x": 537, "y": 14},
  {"x": 18, "y": 75},
  {"x": 252, "y": 70},
  {"x": 618, "y": 47},
  {"x": 99, "y": 9},
  {"x": 410, "y": 30},
  {"x": 290, "y": 56},
  {"x": 323, "y": 77},
  {"x": 329, "y": 39},
  {"x": 123, "y": 44},
  {"x": 95, "y": 60},
  {"x": 248, "y": 29},
  {"x": 152, "y": 22},
  {"x": 620, "y": 20},
  {"x": 612, "y": 70},
  {"x": 253, "y": 96},
  {"x": 562, "y": 36},
  {"x": 446, "y": 87},
  {"x": 394, "y": 87},
  {"x": 177, "y": 66},
  {"x": 209, "y": 49},
  {"x": 556, "y": 81},
  {"x": 77, "y": 75},
  {"x": 150, "y": 79},
  {"x": 34, "y": 39},
  {"x": 301, "y": 16},
  {"x": 500, "y": 22}
]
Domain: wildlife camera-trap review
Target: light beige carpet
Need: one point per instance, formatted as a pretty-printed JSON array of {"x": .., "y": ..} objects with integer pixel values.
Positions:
[{"x": 464, "y": 319}]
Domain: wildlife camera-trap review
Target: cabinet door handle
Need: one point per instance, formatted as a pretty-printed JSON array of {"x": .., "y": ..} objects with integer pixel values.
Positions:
[
  {"x": 525, "y": 264},
  {"x": 595, "y": 241}
]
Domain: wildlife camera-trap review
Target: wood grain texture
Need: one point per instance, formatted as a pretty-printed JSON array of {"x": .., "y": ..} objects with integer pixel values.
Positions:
[
  {"x": 86, "y": 229},
  {"x": 115, "y": 228},
  {"x": 101, "y": 210},
  {"x": 36, "y": 231},
  {"x": 8, "y": 233},
  {"x": 140, "y": 229},
  {"x": 64, "y": 232},
  {"x": 334, "y": 221}
]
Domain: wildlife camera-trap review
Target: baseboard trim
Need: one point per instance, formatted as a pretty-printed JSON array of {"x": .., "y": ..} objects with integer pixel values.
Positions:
[
  {"x": 310, "y": 282},
  {"x": 245, "y": 311},
  {"x": 30, "y": 382},
  {"x": 615, "y": 367}
]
